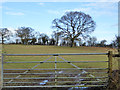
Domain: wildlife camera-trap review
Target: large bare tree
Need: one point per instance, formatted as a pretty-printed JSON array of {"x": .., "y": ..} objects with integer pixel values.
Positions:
[{"x": 75, "y": 24}]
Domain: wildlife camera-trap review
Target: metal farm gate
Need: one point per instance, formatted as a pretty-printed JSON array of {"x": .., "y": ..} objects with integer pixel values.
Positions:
[{"x": 55, "y": 77}]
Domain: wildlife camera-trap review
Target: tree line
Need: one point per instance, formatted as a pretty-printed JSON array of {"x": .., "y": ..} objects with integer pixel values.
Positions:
[
  {"x": 72, "y": 29},
  {"x": 28, "y": 36}
]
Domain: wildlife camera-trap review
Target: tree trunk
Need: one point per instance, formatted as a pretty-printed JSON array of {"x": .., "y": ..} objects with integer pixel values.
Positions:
[
  {"x": 2, "y": 40},
  {"x": 57, "y": 43},
  {"x": 72, "y": 42},
  {"x": 57, "y": 39}
]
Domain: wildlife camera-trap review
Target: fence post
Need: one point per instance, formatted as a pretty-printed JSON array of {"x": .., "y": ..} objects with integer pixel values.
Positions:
[
  {"x": 110, "y": 54},
  {"x": 2, "y": 56},
  {"x": 118, "y": 68}
]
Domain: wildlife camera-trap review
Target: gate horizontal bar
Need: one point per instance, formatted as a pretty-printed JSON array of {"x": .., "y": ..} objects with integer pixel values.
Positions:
[
  {"x": 57, "y": 86},
  {"x": 60, "y": 82},
  {"x": 56, "y": 54},
  {"x": 92, "y": 82},
  {"x": 59, "y": 62},
  {"x": 49, "y": 73},
  {"x": 82, "y": 81},
  {"x": 58, "y": 78},
  {"x": 63, "y": 69}
]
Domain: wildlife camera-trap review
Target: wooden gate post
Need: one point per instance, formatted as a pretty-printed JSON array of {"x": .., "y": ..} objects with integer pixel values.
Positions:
[
  {"x": 119, "y": 68},
  {"x": 110, "y": 54}
]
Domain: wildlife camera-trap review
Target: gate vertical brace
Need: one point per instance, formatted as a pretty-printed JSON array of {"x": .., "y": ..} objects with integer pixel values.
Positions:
[
  {"x": 110, "y": 54},
  {"x": 55, "y": 71},
  {"x": 2, "y": 70}
]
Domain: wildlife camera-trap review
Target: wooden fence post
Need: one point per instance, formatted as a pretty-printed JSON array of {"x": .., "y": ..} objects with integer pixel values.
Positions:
[
  {"x": 118, "y": 68},
  {"x": 110, "y": 54}
]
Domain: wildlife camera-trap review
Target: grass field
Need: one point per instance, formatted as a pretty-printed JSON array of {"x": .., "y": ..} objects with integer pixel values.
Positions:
[{"x": 37, "y": 49}]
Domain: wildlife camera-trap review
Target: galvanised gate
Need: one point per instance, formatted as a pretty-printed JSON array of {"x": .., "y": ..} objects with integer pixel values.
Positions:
[{"x": 56, "y": 77}]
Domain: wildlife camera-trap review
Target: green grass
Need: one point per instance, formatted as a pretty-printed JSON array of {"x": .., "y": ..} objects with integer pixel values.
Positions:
[{"x": 37, "y": 49}]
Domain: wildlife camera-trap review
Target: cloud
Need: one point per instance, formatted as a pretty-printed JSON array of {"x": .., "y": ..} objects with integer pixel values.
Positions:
[
  {"x": 98, "y": 9},
  {"x": 102, "y": 5},
  {"x": 41, "y": 4},
  {"x": 86, "y": 10},
  {"x": 78, "y": 9},
  {"x": 93, "y": 8},
  {"x": 61, "y": 12},
  {"x": 15, "y": 13}
]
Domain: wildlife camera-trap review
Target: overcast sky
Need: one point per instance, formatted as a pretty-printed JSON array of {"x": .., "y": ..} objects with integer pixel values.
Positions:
[{"x": 39, "y": 15}]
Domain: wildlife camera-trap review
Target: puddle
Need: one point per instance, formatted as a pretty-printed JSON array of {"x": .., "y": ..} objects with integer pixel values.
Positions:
[
  {"x": 78, "y": 88},
  {"x": 72, "y": 88},
  {"x": 60, "y": 72},
  {"x": 44, "y": 82}
]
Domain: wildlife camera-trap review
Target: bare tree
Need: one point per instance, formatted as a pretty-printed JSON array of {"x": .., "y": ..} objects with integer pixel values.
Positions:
[
  {"x": 116, "y": 43},
  {"x": 102, "y": 43},
  {"x": 52, "y": 41},
  {"x": 80, "y": 41},
  {"x": 5, "y": 34},
  {"x": 43, "y": 39},
  {"x": 57, "y": 35},
  {"x": 92, "y": 41},
  {"x": 25, "y": 33},
  {"x": 75, "y": 24},
  {"x": 34, "y": 37}
]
